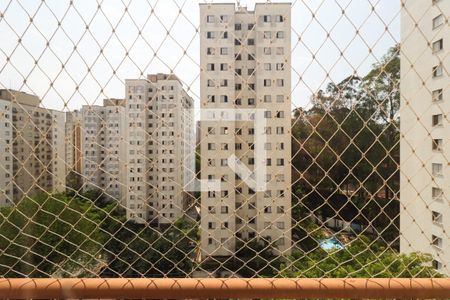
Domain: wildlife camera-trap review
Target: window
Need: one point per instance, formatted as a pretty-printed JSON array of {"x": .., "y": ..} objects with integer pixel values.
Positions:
[
  {"x": 436, "y": 264},
  {"x": 280, "y": 225},
  {"x": 210, "y": 51},
  {"x": 225, "y": 35},
  {"x": 280, "y": 98},
  {"x": 279, "y": 18},
  {"x": 280, "y": 130},
  {"x": 237, "y": 42},
  {"x": 438, "y": 71},
  {"x": 267, "y": 209},
  {"x": 267, "y": 114},
  {"x": 211, "y": 130},
  {"x": 224, "y": 226},
  {"x": 210, "y": 19},
  {"x": 267, "y": 98},
  {"x": 223, "y": 67},
  {"x": 280, "y": 35},
  {"x": 238, "y": 86},
  {"x": 210, "y": 67},
  {"x": 238, "y": 57},
  {"x": 280, "y": 114},
  {"x": 210, "y": 35},
  {"x": 436, "y": 217},
  {"x": 210, "y": 83},
  {"x": 251, "y": 101},
  {"x": 436, "y": 193},
  {"x": 250, "y": 72},
  {"x": 266, "y": 18},
  {"x": 251, "y": 42},
  {"x": 280, "y": 162},
  {"x": 211, "y": 209},
  {"x": 280, "y": 82},
  {"x": 237, "y": 26},
  {"x": 267, "y": 82},
  {"x": 211, "y": 146},
  {"x": 437, "y": 120},
  {"x": 280, "y": 51},
  {"x": 267, "y": 34},
  {"x": 250, "y": 57},
  {"x": 438, "y": 21},
  {"x": 224, "y": 18},
  {"x": 224, "y": 130},
  {"x": 223, "y": 98},
  {"x": 224, "y": 82},
  {"x": 280, "y": 67},
  {"x": 280, "y": 209},
  {"x": 437, "y": 145},
  {"x": 437, "y": 95},
  {"x": 250, "y": 26},
  {"x": 438, "y": 46},
  {"x": 267, "y": 50},
  {"x": 436, "y": 169},
  {"x": 436, "y": 241},
  {"x": 267, "y": 66},
  {"x": 211, "y": 98},
  {"x": 223, "y": 51},
  {"x": 211, "y": 225}
]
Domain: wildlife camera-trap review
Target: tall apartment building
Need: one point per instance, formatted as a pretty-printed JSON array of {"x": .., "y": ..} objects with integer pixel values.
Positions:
[
  {"x": 32, "y": 147},
  {"x": 73, "y": 150},
  {"x": 245, "y": 66},
  {"x": 160, "y": 153},
  {"x": 103, "y": 144},
  {"x": 425, "y": 130}
]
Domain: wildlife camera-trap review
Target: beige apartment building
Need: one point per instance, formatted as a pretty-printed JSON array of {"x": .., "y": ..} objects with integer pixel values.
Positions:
[
  {"x": 245, "y": 61},
  {"x": 103, "y": 144},
  {"x": 73, "y": 150},
  {"x": 32, "y": 145},
  {"x": 425, "y": 130},
  {"x": 160, "y": 148}
]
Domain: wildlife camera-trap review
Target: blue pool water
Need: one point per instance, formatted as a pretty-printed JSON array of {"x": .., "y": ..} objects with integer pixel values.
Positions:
[{"x": 331, "y": 244}]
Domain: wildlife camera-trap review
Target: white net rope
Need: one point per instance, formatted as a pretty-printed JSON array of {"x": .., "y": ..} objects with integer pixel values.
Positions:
[{"x": 134, "y": 134}]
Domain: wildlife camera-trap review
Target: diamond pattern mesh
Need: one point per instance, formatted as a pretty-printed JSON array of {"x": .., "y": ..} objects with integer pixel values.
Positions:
[{"x": 119, "y": 119}]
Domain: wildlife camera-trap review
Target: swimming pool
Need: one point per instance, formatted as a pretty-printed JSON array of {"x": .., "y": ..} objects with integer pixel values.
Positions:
[{"x": 331, "y": 244}]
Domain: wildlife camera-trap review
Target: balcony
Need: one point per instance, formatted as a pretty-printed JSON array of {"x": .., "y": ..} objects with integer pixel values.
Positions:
[{"x": 190, "y": 288}]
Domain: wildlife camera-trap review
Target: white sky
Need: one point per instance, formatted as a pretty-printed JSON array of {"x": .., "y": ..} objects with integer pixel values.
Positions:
[{"x": 314, "y": 54}]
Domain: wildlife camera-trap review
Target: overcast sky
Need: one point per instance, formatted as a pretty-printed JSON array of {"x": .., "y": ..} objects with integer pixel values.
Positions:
[{"x": 362, "y": 30}]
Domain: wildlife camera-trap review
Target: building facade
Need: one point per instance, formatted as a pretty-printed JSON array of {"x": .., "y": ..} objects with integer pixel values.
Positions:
[
  {"x": 32, "y": 141},
  {"x": 425, "y": 134},
  {"x": 161, "y": 144},
  {"x": 104, "y": 148},
  {"x": 245, "y": 70},
  {"x": 73, "y": 150}
]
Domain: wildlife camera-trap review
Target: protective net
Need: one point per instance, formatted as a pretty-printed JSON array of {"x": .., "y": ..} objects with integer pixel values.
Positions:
[{"x": 146, "y": 138}]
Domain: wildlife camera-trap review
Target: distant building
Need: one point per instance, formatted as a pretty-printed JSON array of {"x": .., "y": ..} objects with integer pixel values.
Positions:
[
  {"x": 104, "y": 148},
  {"x": 245, "y": 60},
  {"x": 32, "y": 146},
  {"x": 160, "y": 153},
  {"x": 425, "y": 130},
  {"x": 73, "y": 150}
]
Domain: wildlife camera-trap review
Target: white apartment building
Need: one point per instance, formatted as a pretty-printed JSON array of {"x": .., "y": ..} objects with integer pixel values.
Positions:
[
  {"x": 160, "y": 154},
  {"x": 32, "y": 145},
  {"x": 73, "y": 150},
  {"x": 425, "y": 130},
  {"x": 245, "y": 60},
  {"x": 103, "y": 144}
]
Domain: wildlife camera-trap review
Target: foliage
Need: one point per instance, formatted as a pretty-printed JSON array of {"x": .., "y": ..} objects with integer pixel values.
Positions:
[
  {"x": 67, "y": 235},
  {"x": 361, "y": 258},
  {"x": 38, "y": 235},
  {"x": 346, "y": 146}
]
